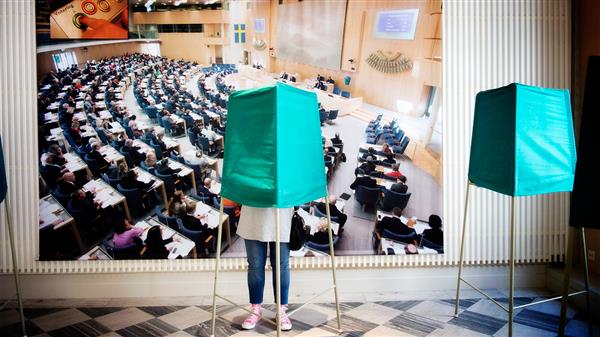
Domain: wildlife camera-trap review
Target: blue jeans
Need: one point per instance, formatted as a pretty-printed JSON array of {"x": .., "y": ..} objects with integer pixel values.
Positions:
[{"x": 257, "y": 259}]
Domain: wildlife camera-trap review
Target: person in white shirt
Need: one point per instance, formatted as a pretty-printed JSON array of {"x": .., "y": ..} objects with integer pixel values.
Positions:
[{"x": 257, "y": 227}]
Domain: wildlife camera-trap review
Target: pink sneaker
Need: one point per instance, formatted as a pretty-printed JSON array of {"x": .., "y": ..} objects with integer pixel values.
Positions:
[
  {"x": 286, "y": 323},
  {"x": 254, "y": 317}
]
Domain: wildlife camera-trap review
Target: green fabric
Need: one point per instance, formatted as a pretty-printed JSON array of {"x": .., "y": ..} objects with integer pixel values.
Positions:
[
  {"x": 273, "y": 148},
  {"x": 523, "y": 141}
]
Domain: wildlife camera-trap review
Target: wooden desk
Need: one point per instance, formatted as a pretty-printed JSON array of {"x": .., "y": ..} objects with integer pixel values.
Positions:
[
  {"x": 145, "y": 177},
  {"x": 96, "y": 253},
  {"x": 52, "y": 213},
  {"x": 398, "y": 248},
  {"x": 75, "y": 163},
  {"x": 106, "y": 195},
  {"x": 111, "y": 154},
  {"x": 185, "y": 171},
  {"x": 212, "y": 218},
  {"x": 183, "y": 247},
  {"x": 314, "y": 222}
]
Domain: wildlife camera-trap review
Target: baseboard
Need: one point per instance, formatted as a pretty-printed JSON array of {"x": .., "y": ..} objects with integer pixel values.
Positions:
[{"x": 353, "y": 285}]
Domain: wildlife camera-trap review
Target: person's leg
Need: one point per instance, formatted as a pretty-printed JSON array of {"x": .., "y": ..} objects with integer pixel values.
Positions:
[
  {"x": 284, "y": 266},
  {"x": 256, "y": 253}
]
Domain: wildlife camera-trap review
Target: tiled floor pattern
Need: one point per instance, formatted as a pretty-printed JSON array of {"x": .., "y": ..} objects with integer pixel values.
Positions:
[{"x": 477, "y": 317}]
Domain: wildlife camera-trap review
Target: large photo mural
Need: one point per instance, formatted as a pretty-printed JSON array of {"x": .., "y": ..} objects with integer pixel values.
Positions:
[{"x": 132, "y": 126}]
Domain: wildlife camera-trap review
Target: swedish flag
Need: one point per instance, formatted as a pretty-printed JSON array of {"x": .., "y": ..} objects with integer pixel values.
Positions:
[{"x": 239, "y": 33}]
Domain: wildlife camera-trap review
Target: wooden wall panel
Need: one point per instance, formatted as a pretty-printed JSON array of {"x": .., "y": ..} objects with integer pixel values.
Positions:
[{"x": 179, "y": 17}]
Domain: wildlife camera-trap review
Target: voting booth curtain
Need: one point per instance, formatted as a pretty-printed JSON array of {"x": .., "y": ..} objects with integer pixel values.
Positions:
[
  {"x": 274, "y": 151},
  {"x": 523, "y": 142}
]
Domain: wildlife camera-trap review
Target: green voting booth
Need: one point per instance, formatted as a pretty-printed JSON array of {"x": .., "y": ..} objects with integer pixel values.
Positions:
[
  {"x": 273, "y": 158},
  {"x": 522, "y": 144}
]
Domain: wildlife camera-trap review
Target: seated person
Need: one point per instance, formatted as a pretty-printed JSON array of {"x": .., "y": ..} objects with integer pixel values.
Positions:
[
  {"x": 130, "y": 181},
  {"x": 159, "y": 141},
  {"x": 389, "y": 160},
  {"x": 434, "y": 234},
  {"x": 368, "y": 166},
  {"x": 84, "y": 201},
  {"x": 395, "y": 225},
  {"x": 363, "y": 180},
  {"x": 67, "y": 185},
  {"x": 204, "y": 190},
  {"x": 386, "y": 149},
  {"x": 134, "y": 127},
  {"x": 191, "y": 221},
  {"x": 117, "y": 172},
  {"x": 330, "y": 80},
  {"x": 198, "y": 159},
  {"x": 57, "y": 151},
  {"x": 98, "y": 157},
  {"x": 134, "y": 151},
  {"x": 177, "y": 204},
  {"x": 163, "y": 168},
  {"x": 321, "y": 236},
  {"x": 155, "y": 245},
  {"x": 151, "y": 160},
  {"x": 75, "y": 133},
  {"x": 51, "y": 172},
  {"x": 371, "y": 152},
  {"x": 395, "y": 173},
  {"x": 336, "y": 140},
  {"x": 400, "y": 186},
  {"x": 333, "y": 210},
  {"x": 126, "y": 234}
]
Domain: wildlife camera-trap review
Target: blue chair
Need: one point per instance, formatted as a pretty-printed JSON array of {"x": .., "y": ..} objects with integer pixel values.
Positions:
[
  {"x": 63, "y": 199},
  {"x": 393, "y": 199},
  {"x": 367, "y": 196},
  {"x": 198, "y": 173},
  {"x": 323, "y": 215},
  {"x": 405, "y": 238},
  {"x": 189, "y": 120},
  {"x": 151, "y": 111},
  {"x": 336, "y": 90},
  {"x": 92, "y": 165},
  {"x": 333, "y": 115},
  {"x": 170, "y": 221},
  {"x": 322, "y": 247},
  {"x": 157, "y": 150},
  {"x": 102, "y": 135},
  {"x": 229, "y": 210},
  {"x": 200, "y": 238},
  {"x": 146, "y": 167},
  {"x": 402, "y": 147},
  {"x": 204, "y": 145},
  {"x": 177, "y": 158},
  {"x": 428, "y": 244},
  {"x": 192, "y": 136},
  {"x": 346, "y": 94},
  {"x": 134, "y": 199},
  {"x": 110, "y": 181},
  {"x": 128, "y": 158},
  {"x": 168, "y": 180},
  {"x": 200, "y": 197},
  {"x": 323, "y": 115}
]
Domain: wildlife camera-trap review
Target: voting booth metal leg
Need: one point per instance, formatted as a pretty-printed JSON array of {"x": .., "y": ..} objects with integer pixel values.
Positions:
[
  {"x": 15, "y": 266},
  {"x": 278, "y": 273},
  {"x": 567, "y": 279},
  {"x": 217, "y": 267},
  {"x": 511, "y": 275},
  {"x": 332, "y": 256},
  {"x": 462, "y": 250}
]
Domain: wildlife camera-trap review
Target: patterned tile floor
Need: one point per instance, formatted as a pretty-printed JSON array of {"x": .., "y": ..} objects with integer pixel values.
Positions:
[{"x": 434, "y": 317}]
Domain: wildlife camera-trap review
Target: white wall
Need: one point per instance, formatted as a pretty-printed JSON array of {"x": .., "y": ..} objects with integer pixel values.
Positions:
[{"x": 486, "y": 44}]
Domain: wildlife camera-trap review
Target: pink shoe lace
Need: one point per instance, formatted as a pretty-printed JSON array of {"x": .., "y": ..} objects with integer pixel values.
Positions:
[
  {"x": 286, "y": 323},
  {"x": 254, "y": 317}
]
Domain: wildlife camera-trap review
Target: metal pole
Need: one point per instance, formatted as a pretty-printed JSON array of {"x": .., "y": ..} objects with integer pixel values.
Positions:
[
  {"x": 566, "y": 280},
  {"x": 587, "y": 282},
  {"x": 511, "y": 280},
  {"x": 15, "y": 266},
  {"x": 462, "y": 249},
  {"x": 217, "y": 266},
  {"x": 332, "y": 256},
  {"x": 278, "y": 273}
]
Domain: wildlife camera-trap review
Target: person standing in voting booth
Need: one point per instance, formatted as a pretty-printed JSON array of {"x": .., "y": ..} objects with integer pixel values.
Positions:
[{"x": 257, "y": 228}]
